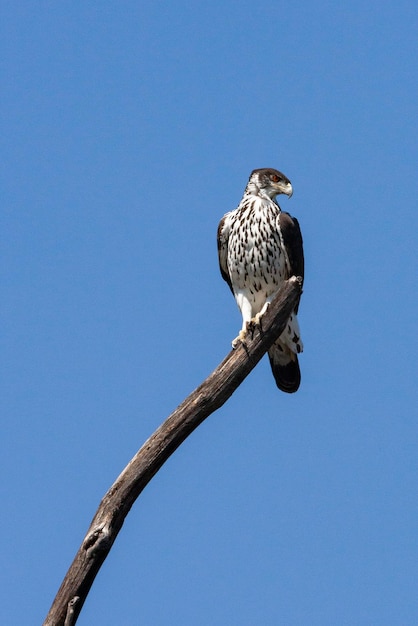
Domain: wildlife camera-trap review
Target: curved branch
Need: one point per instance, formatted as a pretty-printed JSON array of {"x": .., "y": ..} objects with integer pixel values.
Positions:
[{"x": 203, "y": 401}]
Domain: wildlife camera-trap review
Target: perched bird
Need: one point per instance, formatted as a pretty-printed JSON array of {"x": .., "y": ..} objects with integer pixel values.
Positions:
[{"x": 259, "y": 247}]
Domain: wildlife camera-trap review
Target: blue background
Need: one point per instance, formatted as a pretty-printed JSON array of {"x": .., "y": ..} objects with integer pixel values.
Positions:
[{"x": 128, "y": 130}]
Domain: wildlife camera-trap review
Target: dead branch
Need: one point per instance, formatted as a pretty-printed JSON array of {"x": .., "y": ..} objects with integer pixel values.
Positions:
[{"x": 206, "y": 399}]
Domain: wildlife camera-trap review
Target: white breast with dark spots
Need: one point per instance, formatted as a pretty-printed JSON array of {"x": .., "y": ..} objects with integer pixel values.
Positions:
[{"x": 256, "y": 258}]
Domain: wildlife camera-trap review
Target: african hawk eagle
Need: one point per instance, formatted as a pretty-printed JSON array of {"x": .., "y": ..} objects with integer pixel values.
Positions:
[{"x": 259, "y": 247}]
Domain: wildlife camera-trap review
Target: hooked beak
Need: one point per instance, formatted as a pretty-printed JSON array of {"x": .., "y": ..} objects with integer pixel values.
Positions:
[{"x": 288, "y": 190}]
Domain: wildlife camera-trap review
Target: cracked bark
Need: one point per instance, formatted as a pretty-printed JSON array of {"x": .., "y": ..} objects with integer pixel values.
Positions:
[{"x": 203, "y": 401}]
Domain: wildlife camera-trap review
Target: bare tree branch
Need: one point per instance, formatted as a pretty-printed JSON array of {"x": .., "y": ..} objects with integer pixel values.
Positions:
[{"x": 206, "y": 399}]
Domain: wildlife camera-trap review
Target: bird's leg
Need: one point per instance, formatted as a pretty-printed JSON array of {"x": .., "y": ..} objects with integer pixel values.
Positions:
[
  {"x": 256, "y": 320},
  {"x": 245, "y": 307},
  {"x": 249, "y": 326}
]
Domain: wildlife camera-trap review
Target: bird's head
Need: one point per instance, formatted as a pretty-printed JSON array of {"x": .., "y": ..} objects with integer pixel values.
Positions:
[{"x": 269, "y": 182}]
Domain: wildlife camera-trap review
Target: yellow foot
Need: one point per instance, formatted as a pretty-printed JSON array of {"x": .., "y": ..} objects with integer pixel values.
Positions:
[
  {"x": 256, "y": 319},
  {"x": 239, "y": 339},
  {"x": 255, "y": 322}
]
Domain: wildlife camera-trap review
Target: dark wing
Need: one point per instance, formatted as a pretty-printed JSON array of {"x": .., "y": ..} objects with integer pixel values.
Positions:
[
  {"x": 223, "y": 236},
  {"x": 292, "y": 239}
]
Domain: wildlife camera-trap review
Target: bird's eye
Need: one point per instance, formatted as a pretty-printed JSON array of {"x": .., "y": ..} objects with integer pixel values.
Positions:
[{"x": 274, "y": 178}]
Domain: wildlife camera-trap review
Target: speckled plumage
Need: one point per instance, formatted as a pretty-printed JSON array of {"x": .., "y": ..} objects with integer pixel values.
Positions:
[{"x": 259, "y": 248}]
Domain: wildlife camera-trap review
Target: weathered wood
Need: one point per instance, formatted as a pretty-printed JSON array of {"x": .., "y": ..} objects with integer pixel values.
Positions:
[{"x": 206, "y": 399}]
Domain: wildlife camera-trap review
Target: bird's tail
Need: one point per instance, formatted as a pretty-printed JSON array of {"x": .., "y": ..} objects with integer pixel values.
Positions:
[
  {"x": 285, "y": 367},
  {"x": 283, "y": 356}
]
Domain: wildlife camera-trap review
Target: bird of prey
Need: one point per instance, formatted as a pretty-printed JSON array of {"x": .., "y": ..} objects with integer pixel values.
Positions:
[{"x": 259, "y": 247}]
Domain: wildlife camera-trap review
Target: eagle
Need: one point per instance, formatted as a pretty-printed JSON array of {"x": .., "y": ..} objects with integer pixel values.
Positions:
[{"x": 259, "y": 247}]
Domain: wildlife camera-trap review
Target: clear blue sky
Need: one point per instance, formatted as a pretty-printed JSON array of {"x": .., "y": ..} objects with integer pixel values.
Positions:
[{"x": 128, "y": 130}]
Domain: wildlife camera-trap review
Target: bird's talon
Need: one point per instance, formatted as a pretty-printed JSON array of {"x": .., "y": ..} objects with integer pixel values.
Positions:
[
  {"x": 255, "y": 323},
  {"x": 257, "y": 319},
  {"x": 240, "y": 339}
]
